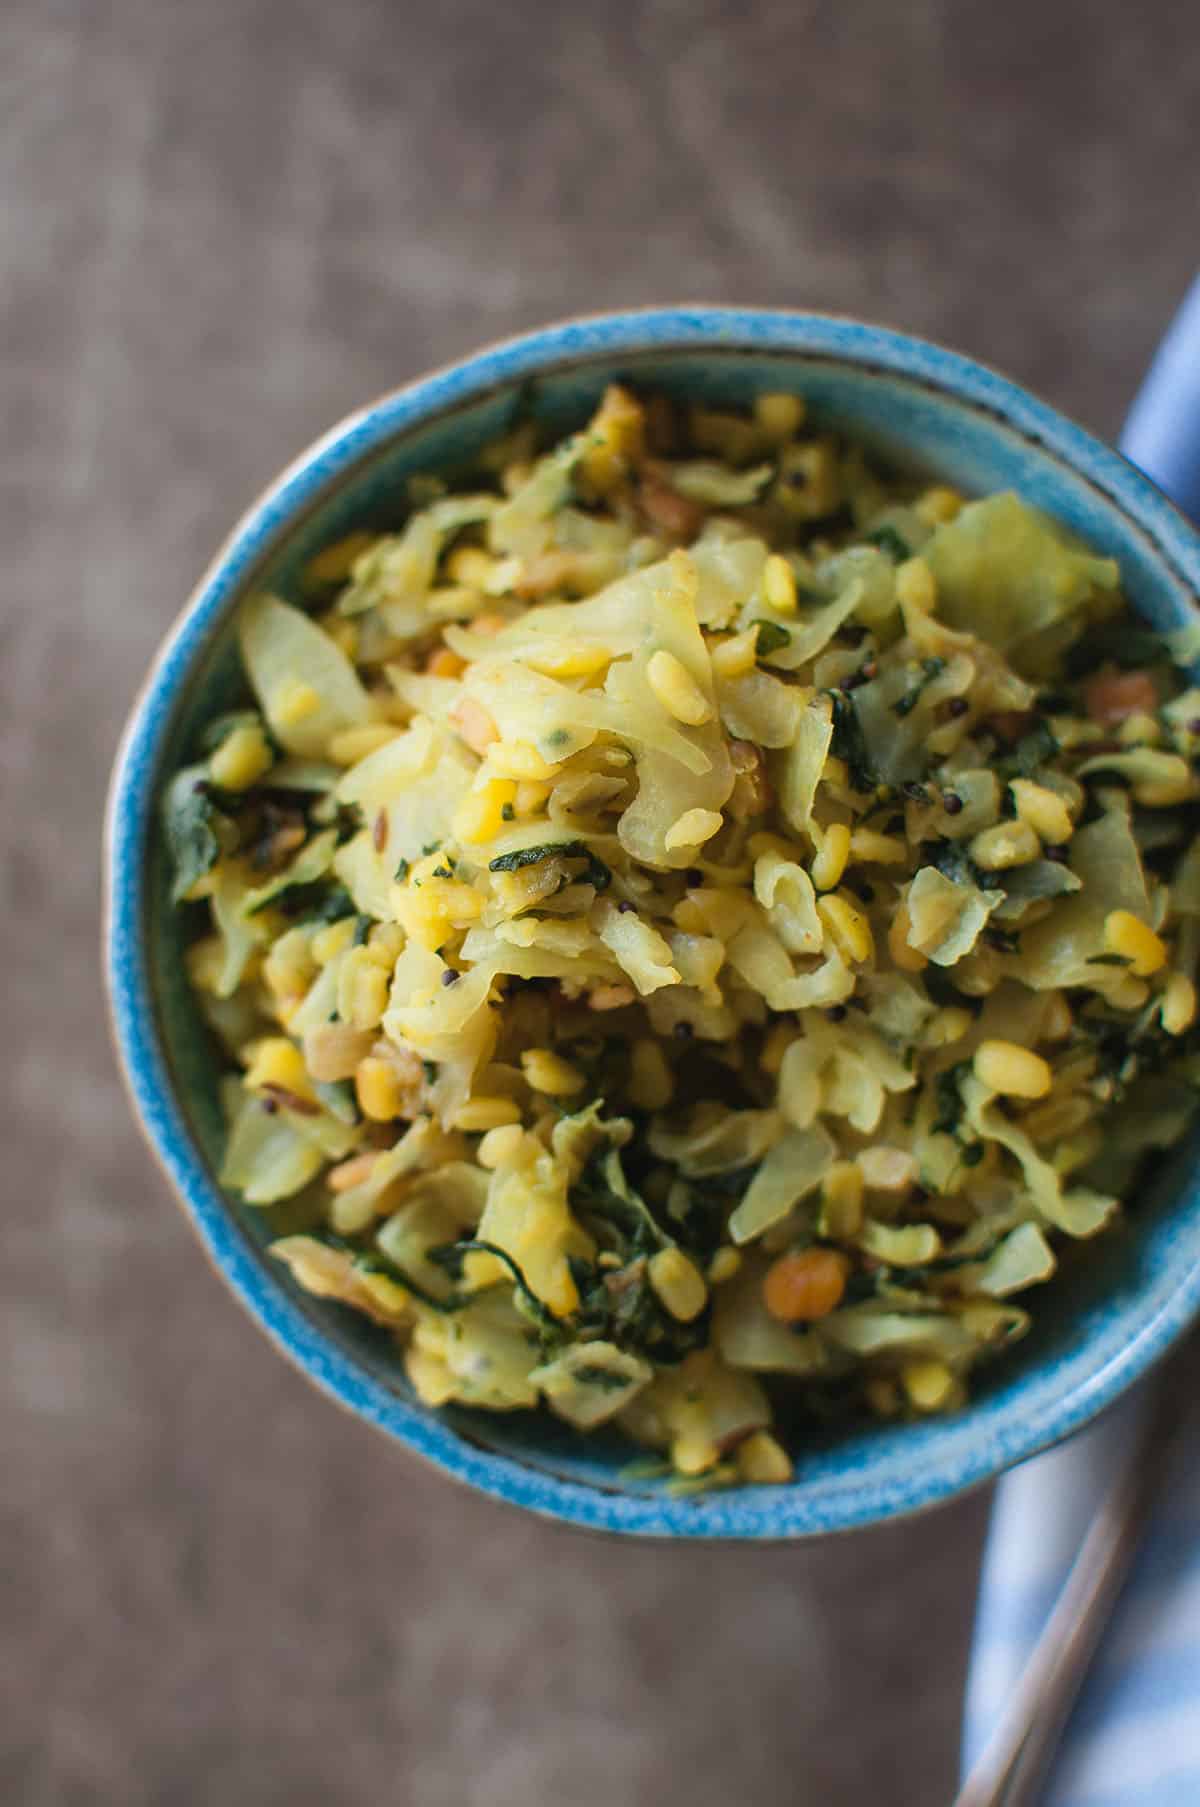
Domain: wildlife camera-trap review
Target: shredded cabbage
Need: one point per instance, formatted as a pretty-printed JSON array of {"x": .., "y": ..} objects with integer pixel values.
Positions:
[
  {"x": 1006, "y": 572},
  {"x": 306, "y": 685}
]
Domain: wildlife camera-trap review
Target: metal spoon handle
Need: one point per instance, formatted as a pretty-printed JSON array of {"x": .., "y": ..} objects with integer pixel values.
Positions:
[{"x": 1014, "y": 1763}]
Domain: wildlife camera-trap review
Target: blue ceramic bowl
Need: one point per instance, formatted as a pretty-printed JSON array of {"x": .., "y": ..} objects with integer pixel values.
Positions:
[{"x": 1107, "y": 1317}]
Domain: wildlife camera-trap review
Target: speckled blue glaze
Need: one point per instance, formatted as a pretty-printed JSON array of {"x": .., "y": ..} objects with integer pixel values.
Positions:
[{"x": 1107, "y": 1317}]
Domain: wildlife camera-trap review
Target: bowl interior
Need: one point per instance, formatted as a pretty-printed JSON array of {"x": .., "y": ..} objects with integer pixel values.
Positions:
[{"x": 1105, "y": 1313}]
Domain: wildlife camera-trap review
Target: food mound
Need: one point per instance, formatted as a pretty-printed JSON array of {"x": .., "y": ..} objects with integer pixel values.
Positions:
[{"x": 697, "y": 924}]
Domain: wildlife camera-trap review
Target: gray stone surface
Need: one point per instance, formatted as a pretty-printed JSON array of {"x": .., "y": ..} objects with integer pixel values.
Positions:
[{"x": 225, "y": 224}]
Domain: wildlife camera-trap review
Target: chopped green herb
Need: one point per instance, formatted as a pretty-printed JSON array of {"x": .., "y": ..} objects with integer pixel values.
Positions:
[
  {"x": 507, "y": 813},
  {"x": 402, "y": 871}
]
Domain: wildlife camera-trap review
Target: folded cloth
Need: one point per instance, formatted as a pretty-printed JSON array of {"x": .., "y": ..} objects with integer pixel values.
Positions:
[
  {"x": 1162, "y": 434},
  {"x": 1134, "y": 1737}
]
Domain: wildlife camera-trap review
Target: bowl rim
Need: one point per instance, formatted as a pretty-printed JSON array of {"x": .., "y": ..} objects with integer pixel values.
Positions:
[{"x": 846, "y": 1502}]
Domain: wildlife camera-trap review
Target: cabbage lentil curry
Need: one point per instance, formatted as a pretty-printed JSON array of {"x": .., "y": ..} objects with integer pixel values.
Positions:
[{"x": 696, "y": 924}]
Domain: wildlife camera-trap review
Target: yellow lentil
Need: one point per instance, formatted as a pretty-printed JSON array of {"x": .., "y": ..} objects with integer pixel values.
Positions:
[
  {"x": 848, "y": 928},
  {"x": 692, "y": 828},
  {"x": 678, "y": 1284},
  {"x": 779, "y": 417},
  {"x": 724, "y": 1265},
  {"x": 829, "y": 861},
  {"x": 243, "y": 757},
  {"x": 677, "y": 690},
  {"x": 1012, "y": 1071},
  {"x": 548, "y": 1072},
  {"x": 1178, "y": 1004},
  {"x": 1044, "y": 811},
  {"x": 486, "y": 1113},
  {"x": 779, "y": 585},
  {"x": 762, "y": 1460},
  {"x": 500, "y": 1147},
  {"x": 734, "y": 657},
  {"x": 1005, "y": 845},
  {"x": 378, "y": 1090},
  {"x": 1134, "y": 940},
  {"x": 928, "y": 1384}
]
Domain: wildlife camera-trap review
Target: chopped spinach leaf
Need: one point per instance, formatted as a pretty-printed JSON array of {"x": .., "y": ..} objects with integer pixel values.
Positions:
[
  {"x": 849, "y": 742},
  {"x": 770, "y": 638},
  {"x": 620, "y": 1306},
  {"x": 197, "y": 832},
  {"x": 319, "y": 902},
  {"x": 1118, "y": 642},
  {"x": 450, "y": 1256},
  {"x": 891, "y": 542},
  {"x": 597, "y": 872},
  {"x": 591, "y": 1374},
  {"x": 930, "y": 668},
  {"x": 346, "y": 818},
  {"x": 1037, "y": 748},
  {"x": 374, "y": 1261},
  {"x": 952, "y": 860},
  {"x": 948, "y": 1098},
  {"x": 941, "y": 990},
  {"x": 602, "y": 1191}
]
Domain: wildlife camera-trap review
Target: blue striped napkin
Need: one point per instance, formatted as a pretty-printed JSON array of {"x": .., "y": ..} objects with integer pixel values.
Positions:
[{"x": 1134, "y": 1738}]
